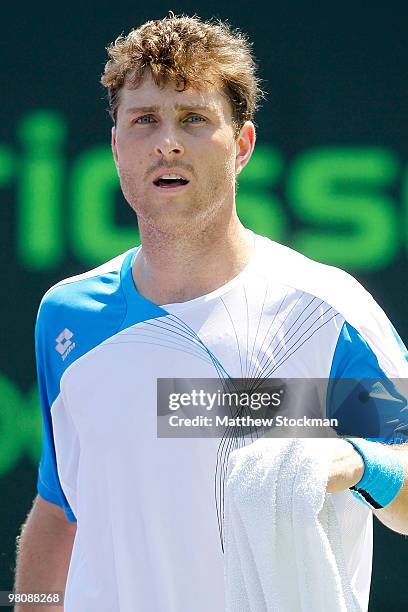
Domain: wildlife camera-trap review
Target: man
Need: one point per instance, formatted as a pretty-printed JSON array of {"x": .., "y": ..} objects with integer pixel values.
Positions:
[{"x": 131, "y": 517}]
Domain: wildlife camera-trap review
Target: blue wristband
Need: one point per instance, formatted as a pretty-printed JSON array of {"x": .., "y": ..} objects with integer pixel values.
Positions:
[{"x": 383, "y": 475}]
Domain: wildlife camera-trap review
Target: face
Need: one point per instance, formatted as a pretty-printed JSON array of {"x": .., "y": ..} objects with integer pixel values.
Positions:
[{"x": 177, "y": 154}]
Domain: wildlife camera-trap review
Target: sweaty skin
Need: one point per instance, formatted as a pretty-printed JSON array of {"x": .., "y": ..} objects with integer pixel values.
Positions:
[{"x": 193, "y": 241}]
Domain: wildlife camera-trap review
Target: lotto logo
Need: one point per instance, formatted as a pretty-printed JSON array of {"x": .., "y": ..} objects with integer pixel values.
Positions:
[{"x": 64, "y": 343}]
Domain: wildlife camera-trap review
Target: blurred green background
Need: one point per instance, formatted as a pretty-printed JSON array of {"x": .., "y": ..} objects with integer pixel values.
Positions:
[{"x": 328, "y": 177}]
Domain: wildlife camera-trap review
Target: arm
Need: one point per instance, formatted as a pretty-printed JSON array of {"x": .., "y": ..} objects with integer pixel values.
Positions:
[
  {"x": 381, "y": 416},
  {"x": 395, "y": 515},
  {"x": 44, "y": 551},
  {"x": 347, "y": 469}
]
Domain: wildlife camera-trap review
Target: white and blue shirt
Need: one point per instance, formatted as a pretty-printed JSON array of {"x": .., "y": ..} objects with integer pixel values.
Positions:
[{"x": 147, "y": 531}]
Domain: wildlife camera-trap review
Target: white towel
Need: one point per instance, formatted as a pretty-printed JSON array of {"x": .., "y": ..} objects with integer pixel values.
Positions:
[{"x": 283, "y": 548}]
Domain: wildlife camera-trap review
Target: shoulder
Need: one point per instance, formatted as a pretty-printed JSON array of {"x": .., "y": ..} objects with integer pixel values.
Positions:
[
  {"x": 86, "y": 292},
  {"x": 342, "y": 292},
  {"x": 80, "y": 312},
  {"x": 332, "y": 285}
]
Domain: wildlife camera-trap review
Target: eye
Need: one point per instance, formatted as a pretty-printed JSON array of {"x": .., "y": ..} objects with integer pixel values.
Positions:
[
  {"x": 195, "y": 119},
  {"x": 144, "y": 119}
]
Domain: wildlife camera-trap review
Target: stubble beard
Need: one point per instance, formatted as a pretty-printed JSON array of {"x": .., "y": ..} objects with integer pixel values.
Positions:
[{"x": 191, "y": 218}]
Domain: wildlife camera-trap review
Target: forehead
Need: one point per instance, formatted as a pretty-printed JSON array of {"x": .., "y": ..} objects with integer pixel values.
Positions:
[{"x": 168, "y": 98}]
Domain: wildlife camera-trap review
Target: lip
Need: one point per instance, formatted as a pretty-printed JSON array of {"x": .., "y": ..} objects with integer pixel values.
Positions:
[
  {"x": 163, "y": 171},
  {"x": 169, "y": 190}
]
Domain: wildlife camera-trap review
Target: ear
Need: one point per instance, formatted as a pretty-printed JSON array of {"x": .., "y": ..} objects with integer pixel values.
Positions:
[
  {"x": 245, "y": 144},
  {"x": 115, "y": 149}
]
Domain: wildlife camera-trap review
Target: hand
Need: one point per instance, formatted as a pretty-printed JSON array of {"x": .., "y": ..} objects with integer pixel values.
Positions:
[{"x": 347, "y": 467}]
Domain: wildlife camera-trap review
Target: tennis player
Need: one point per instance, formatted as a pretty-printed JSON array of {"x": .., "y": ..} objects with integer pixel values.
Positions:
[{"x": 125, "y": 520}]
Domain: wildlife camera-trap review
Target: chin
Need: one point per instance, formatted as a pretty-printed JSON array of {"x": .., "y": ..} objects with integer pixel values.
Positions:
[{"x": 176, "y": 223}]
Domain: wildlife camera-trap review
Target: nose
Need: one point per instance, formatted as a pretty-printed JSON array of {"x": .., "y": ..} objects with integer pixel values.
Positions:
[{"x": 168, "y": 144}]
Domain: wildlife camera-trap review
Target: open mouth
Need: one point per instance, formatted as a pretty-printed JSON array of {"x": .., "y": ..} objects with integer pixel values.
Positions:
[{"x": 170, "y": 182}]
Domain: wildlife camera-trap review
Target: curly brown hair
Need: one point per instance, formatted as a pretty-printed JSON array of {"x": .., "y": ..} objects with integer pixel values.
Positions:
[{"x": 190, "y": 52}]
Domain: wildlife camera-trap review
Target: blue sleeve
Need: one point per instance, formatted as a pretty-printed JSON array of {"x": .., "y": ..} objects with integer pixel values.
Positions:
[
  {"x": 48, "y": 484},
  {"x": 365, "y": 401}
]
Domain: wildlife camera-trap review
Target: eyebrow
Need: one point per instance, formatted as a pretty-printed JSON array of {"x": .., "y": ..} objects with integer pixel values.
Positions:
[{"x": 154, "y": 109}]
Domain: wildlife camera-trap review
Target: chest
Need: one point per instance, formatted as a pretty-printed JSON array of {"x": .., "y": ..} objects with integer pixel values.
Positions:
[{"x": 263, "y": 333}]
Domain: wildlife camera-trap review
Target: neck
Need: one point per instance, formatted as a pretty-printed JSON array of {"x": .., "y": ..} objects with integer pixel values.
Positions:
[{"x": 178, "y": 268}]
